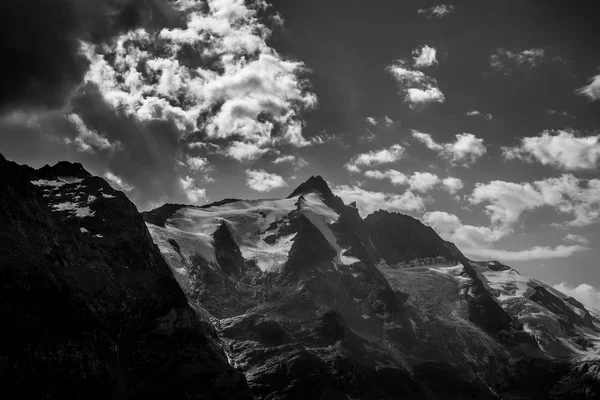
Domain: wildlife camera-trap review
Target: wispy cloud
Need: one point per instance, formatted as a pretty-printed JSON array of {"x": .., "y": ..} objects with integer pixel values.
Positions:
[
  {"x": 477, "y": 113},
  {"x": 509, "y": 60},
  {"x": 591, "y": 90},
  {"x": 438, "y": 11}
]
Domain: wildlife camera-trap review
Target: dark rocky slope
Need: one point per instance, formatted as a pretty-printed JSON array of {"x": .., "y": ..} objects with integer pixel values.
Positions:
[{"x": 89, "y": 307}]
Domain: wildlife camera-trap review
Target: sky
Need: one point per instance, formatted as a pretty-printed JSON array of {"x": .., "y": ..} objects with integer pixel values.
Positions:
[{"x": 479, "y": 118}]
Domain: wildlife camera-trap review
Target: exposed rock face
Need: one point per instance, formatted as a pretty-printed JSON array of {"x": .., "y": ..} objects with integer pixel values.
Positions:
[
  {"x": 328, "y": 305},
  {"x": 90, "y": 307}
]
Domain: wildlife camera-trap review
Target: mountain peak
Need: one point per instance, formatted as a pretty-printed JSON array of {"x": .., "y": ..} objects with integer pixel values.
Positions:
[
  {"x": 314, "y": 184},
  {"x": 64, "y": 168}
]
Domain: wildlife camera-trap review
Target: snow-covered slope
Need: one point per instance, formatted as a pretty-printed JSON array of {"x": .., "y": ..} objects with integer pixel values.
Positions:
[{"x": 561, "y": 326}]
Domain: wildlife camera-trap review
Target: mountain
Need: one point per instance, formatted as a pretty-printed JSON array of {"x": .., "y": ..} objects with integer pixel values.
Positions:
[
  {"x": 316, "y": 302},
  {"x": 90, "y": 309},
  {"x": 295, "y": 298}
]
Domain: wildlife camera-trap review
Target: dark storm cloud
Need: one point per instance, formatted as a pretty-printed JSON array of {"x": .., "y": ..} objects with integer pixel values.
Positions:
[
  {"x": 149, "y": 149},
  {"x": 40, "y": 45}
]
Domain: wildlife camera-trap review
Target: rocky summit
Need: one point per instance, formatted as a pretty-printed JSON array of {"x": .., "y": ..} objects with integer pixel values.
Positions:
[{"x": 294, "y": 298}]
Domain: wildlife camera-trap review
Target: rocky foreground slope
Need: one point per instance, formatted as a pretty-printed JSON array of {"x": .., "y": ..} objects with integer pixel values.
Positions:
[
  {"x": 90, "y": 309},
  {"x": 303, "y": 296}
]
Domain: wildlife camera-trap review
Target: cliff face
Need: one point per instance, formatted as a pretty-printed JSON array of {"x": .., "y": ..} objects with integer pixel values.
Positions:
[{"x": 93, "y": 309}]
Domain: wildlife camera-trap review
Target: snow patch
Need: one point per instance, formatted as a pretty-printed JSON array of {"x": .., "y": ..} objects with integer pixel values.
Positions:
[
  {"x": 74, "y": 208},
  {"x": 83, "y": 230},
  {"x": 44, "y": 182},
  {"x": 321, "y": 216}
]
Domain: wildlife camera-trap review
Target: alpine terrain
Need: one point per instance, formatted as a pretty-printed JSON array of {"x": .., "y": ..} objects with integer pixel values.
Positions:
[{"x": 294, "y": 298}]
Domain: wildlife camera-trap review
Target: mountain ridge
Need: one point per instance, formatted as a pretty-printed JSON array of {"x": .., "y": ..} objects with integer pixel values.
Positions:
[{"x": 302, "y": 295}]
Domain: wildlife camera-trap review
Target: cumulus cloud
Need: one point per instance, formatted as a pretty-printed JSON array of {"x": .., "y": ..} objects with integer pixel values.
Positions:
[
  {"x": 477, "y": 113},
  {"x": 375, "y": 157},
  {"x": 564, "y": 149},
  {"x": 591, "y": 90},
  {"x": 424, "y": 57},
  {"x": 237, "y": 87},
  {"x": 262, "y": 181},
  {"x": 40, "y": 46},
  {"x": 371, "y": 121},
  {"x": 475, "y": 241},
  {"x": 452, "y": 184},
  {"x": 418, "y": 181},
  {"x": 368, "y": 202},
  {"x": 438, "y": 11},
  {"x": 88, "y": 140},
  {"x": 417, "y": 87},
  {"x": 117, "y": 183},
  {"x": 506, "y": 201},
  {"x": 465, "y": 150},
  {"x": 587, "y": 295},
  {"x": 576, "y": 238},
  {"x": 194, "y": 194},
  {"x": 423, "y": 181},
  {"x": 388, "y": 121},
  {"x": 196, "y": 164}
]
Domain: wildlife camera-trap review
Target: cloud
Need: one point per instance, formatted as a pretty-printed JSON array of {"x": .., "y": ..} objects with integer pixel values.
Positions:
[
  {"x": 452, "y": 184},
  {"x": 424, "y": 57},
  {"x": 40, "y": 46},
  {"x": 439, "y": 11},
  {"x": 534, "y": 253},
  {"x": 576, "y": 238},
  {"x": 592, "y": 90},
  {"x": 475, "y": 240},
  {"x": 244, "y": 151},
  {"x": 375, "y": 157},
  {"x": 588, "y": 295},
  {"x": 564, "y": 149},
  {"x": 560, "y": 113},
  {"x": 418, "y": 181},
  {"x": 371, "y": 121},
  {"x": 509, "y": 60},
  {"x": 262, "y": 181},
  {"x": 88, "y": 140},
  {"x": 193, "y": 193},
  {"x": 298, "y": 162},
  {"x": 217, "y": 75},
  {"x": 465, "y": 150},
  {"x": 506, "y": 201},
  {"x": 368, "y": 202},
  {"x": 476, "y": 113},
  {"x": 388, "y": 121},
  {"x": 417, "y": 87},
  {"x": 117, "y": 183},
  {"x": 423, "y": 181},
  {"x": 196, "y": 164},
  {"x": 395, "y": 177}
]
